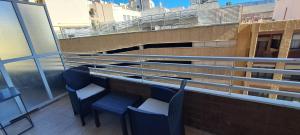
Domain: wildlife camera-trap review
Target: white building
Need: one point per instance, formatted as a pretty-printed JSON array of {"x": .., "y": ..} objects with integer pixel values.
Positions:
[
  {"x": 68, "y": 13},
  {"x": 287, "y": 10},
  {"x": 204, "y": 4},
  {"x": 104, "y": 13},
  {"x": 141, "y": 5}
]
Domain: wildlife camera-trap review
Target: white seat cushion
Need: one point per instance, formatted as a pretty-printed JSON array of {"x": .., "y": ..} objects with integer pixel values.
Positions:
[
  {"x": 155, "y": 106},
  {"x": 88, "y": 91}
]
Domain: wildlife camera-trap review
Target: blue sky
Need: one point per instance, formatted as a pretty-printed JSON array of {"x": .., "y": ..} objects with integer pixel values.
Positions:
[{"x": 180, "y": 3}]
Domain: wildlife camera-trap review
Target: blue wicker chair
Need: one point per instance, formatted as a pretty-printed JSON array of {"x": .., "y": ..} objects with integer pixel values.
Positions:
[
  {"x": 84, "y": 89},
  {"x": 159, "y": 115}
]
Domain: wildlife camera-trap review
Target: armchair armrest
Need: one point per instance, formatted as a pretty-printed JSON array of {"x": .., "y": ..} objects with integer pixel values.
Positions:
[
  {"x": 101, "y": 81},
  {"x": 147, "y": 123},
  {"x": 69, "y": 89},
  {"x": 162, "y": 93}
]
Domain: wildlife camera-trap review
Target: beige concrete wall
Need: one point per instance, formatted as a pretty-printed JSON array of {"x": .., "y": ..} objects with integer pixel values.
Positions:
[
  {"x": 125, "y": 40},
  {"x": 110, "y": 13},
  {"x": 69, "y": 12},
  {"x": 103, "y": 12},
  {"x": 287, "y": 10}
]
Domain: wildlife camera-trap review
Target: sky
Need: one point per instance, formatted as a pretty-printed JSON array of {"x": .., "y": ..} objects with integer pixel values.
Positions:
[{"x": 180, "y": 3}]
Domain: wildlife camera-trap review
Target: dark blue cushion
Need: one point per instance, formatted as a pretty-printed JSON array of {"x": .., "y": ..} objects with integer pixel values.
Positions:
[
  {"x": 115, "y": 102},
  {"x": 78, "y": 77}
]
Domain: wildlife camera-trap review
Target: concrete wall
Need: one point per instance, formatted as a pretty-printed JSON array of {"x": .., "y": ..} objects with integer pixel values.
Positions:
[
  {"x": 125, "y": 40},
  {"x": 110, "y": 13},
  {"x": 69, "y": 12},
  {"x": 287, "y": 10},
  {"x": 103, "y": 12},
  {"x": 119, "y": 13}
]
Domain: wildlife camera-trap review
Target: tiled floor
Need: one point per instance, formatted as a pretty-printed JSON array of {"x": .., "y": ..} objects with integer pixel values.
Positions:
[{"x": 58, "y": 119}]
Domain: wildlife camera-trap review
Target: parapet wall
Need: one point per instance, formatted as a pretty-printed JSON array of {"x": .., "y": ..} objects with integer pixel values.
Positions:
[{"x": 117, "y": 41}]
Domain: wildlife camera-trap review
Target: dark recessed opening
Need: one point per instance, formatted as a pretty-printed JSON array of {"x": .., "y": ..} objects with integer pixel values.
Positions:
[
  {"x": 185, "y": 78},
  {"x": 168, "y": 45},
  {"x": 123, "y": 50},
  {"x": 134, "y": 77},
  {"x": 125, "y": 64}
]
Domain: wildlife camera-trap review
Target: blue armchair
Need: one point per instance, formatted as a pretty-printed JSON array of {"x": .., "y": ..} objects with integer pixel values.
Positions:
[
  {"x": 84, "y": 89},
  {"x": 159, "y": 115}
]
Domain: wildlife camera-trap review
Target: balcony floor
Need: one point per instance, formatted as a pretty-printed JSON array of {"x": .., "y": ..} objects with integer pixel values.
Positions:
[{"x": 58, "y": 119}]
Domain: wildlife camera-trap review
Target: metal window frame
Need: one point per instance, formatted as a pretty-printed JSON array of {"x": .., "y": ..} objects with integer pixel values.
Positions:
[{"x": 33, "y": 56}]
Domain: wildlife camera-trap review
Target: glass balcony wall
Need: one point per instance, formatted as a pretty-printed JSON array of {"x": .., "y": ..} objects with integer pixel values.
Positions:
[{"x": 29, "y": 57}]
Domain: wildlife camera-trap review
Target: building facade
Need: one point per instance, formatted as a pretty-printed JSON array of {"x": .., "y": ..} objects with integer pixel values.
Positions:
[
  {"x": 204, "y": 4},
  {"x": 141, "y": 5},
  {"x": 69, "y": 13},
  {"x": 104, "y": 13}
]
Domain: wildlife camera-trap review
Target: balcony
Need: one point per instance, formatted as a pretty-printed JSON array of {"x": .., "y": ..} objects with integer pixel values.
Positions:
[{"x": 219, "y": 97}]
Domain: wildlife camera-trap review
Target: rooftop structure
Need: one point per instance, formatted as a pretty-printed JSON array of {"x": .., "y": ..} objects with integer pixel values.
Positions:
[
  {"x": 141, "y": 5},
  {"x": 225, "y": 78},
  {"x": 163, "y": 20}
]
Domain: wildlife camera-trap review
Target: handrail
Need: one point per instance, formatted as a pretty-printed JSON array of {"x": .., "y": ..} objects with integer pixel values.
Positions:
[
  {"x": 221, "y": 85},
  {"x": 247, "y": 59},
  {"x": 211, "y": 76},
  {"x": 213, "y": 67},
  {"x": 142, "y": 67}
]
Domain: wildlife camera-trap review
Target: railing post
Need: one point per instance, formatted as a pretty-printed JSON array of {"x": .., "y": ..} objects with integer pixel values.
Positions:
[
  {"x": 164, "y": 23},
  {"x": 138, "y": 22},
  {"x": 180, "y": 18},
  {"x": 151, "y": 23},
  {"x": 127, "y": 26},
  {"x": 231, "y": 78},
  {"x": 141, "y": 68}
]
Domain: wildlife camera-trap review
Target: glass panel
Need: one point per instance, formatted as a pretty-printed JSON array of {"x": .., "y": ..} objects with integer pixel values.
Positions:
[
  {"x": 12, "y": 41},
  {"x": 295, "y": 47},
  {"x": 53, "y": 69},
  {"x": 38, "y": 27},
  {"x": 268, "y": 46},
  {"x": 26, "y": 78},
  {"x": 11, "y": 109}
]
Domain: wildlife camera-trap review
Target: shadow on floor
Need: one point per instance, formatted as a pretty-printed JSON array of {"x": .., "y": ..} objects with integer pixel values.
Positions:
[{"x": 58, "y": 119}]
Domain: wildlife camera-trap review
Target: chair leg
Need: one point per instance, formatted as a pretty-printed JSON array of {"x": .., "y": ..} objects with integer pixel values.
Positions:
[
  {"x": 96, "y": 117},
  {"x": 82, "y": 119},
  {"x": 2, "y": 128},
  {"x": 123, "y": 124},
  {"x": 75, "y": 113}
]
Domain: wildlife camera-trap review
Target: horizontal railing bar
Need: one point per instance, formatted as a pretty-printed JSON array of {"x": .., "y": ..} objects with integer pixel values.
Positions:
[
  {"x": 245, "y": 59},
  {"x": 228, "y": 86},
  {"x": 116, "y": 72},
  {"x": 282, "y": 103},
  {"x": 211, "y": 76},
  {"x": 213, "y": 67}
]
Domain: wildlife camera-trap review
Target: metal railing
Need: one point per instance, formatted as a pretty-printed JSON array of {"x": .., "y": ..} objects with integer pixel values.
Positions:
[
  {"x": 225, "y": 74},
  {"x": 167, "y": 20}
]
